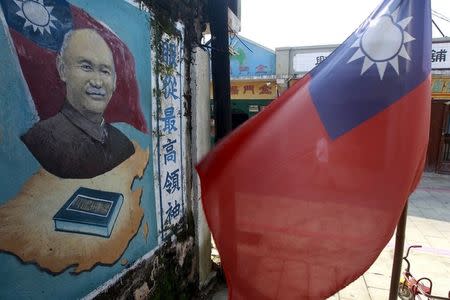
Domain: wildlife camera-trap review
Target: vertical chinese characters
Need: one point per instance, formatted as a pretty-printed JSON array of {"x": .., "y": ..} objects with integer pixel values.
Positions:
[{"x": 169, "y": 138}]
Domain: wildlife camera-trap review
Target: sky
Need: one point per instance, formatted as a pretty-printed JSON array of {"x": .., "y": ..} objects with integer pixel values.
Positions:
[{"x": 290, "y": 23}]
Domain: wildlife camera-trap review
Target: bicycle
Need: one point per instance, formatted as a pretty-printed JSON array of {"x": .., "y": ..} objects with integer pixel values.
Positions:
[{"x": 411, "y": 288}]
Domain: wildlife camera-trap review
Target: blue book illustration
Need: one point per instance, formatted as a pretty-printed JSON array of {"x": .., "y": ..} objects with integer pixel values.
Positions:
[{"x": 89, "y": 211}]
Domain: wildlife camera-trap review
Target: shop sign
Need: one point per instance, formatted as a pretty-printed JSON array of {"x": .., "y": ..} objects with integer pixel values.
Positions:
[
  {"x": 253, "y": 90},
  {"x": 440, "y": 88},
  {"x": 256, "y": 90},
  {"x": 304, "y": 62},
  {"x": 440, "y": 56},
  {"x": 253, "y": 108}
]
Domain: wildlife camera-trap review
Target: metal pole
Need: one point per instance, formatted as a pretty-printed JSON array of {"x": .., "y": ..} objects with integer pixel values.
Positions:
[
  {"x": 398, "y": 254},
  {"x": 220, "y": 66},
  {"x": 220, "y": 70}
]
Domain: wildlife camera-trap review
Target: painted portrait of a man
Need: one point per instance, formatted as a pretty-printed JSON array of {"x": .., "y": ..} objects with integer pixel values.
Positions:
[
  {"x": 77, "y": 142},
  {"x": 76, "y": 110}
]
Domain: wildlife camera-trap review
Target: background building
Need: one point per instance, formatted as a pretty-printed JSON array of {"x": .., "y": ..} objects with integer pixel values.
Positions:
[
  {"x": 253, "y": 82},
  {"x": 259, "y": 75},
  {"x": 294, "y": 62}
]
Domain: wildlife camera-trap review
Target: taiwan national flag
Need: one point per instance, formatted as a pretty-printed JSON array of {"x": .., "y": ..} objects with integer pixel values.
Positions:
[
  {"x": 37, "y": 29},
  {"x": 303, "y": 197}
]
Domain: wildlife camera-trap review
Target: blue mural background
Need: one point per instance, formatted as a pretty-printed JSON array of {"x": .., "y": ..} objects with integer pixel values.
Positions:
[
  {"x": 250, "y": 59},
  {"x": 17, "y": 114}
]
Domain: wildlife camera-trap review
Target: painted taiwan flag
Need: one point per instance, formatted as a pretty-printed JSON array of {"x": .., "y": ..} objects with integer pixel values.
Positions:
[
  {"x": 303, "y": 197},
  {"x": 37, "y": 29}
]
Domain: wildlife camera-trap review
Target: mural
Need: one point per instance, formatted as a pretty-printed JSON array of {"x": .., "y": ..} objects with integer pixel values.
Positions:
[
  {"x": 248, "y": 59},
  {"x": 77, "y": 198}
]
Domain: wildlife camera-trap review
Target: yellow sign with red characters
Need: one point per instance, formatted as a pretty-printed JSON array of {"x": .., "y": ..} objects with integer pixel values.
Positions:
[
  {"x": 252, "y": 90},
  {"x": 440, "y": 88}
]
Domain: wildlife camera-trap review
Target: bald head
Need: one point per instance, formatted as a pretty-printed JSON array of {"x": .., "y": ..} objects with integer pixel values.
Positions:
[{"x": 86, "y": 65}]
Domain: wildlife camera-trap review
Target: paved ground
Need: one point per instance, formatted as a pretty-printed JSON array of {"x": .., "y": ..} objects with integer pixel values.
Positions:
[{"x": 428, "y": 225}]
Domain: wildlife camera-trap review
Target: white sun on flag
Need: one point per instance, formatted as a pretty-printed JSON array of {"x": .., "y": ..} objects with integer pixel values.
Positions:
[
  {"x": 382, "y": 43},
  {"x": 36, "y": 14}
]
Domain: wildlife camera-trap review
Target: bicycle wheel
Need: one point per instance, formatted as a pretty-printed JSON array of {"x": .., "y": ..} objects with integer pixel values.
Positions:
[{"x": 404, "y": 293}]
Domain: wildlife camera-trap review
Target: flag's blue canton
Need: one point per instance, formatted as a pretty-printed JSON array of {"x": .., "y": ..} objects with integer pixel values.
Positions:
[
  {"x": 63, "y": 22},
  {"x": 344, "y": 98}
]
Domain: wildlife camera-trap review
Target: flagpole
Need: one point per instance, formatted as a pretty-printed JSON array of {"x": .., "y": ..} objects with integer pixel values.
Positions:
[
  {"x": 220, "y": 71},
  {"x": 220, "y": 66},
  {"x": 398, "y": 253}
]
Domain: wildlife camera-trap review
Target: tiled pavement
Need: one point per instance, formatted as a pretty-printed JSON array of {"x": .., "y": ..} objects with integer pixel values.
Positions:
[{"x": 428, "y": 224}]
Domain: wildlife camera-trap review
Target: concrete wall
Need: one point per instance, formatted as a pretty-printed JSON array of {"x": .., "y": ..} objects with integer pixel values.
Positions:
[
  {"x": 201, "y": 145},
  {"x": 134, "y": 177}
]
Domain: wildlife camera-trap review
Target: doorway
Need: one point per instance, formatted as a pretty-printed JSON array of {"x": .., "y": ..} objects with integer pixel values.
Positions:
[
  {"x": 238, "y": 117},
  {"x": 437, "y": 118},
  {"x": 443, "y": 165}
]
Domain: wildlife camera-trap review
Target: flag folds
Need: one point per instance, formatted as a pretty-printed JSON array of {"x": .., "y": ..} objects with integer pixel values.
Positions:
[
  {"x": 303, "y": 197},
  {"x": 37, "y": 29}
]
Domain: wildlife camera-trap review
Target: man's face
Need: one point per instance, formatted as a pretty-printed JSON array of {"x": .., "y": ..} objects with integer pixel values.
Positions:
[{"x": 87, "y": 68}]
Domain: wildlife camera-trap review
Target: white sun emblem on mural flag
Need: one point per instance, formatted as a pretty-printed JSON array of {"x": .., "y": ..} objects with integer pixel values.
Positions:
[
  {"x": 36, "y": 14},
  {"x": 382, "y": 43}
]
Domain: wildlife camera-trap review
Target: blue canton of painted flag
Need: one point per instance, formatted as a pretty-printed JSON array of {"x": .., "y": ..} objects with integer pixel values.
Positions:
[
  {"x": 45, "y": 22},
  {"x": 366, "y": 73}
]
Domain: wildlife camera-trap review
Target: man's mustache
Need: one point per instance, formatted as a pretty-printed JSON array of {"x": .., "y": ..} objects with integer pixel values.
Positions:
[{"x": 95, "y": 91}]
